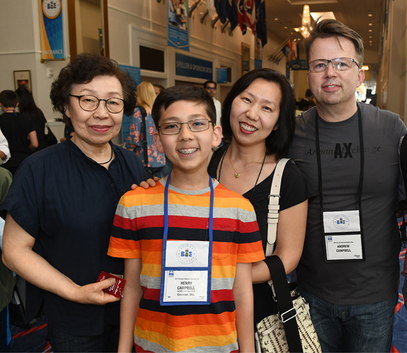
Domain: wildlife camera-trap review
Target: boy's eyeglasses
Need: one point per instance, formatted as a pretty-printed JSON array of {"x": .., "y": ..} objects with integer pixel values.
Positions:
[
  {"x": 91, "y": 103},
  {"x": 339, "y": 64},
  {"x": 195, "y": 125}
]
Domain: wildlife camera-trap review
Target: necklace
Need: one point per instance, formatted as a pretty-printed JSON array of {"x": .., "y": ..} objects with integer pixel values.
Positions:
[
  {"x": 258, "y": 176},
  {"x": 111, "y": 157},
  {"x": 237, "y": 174}
]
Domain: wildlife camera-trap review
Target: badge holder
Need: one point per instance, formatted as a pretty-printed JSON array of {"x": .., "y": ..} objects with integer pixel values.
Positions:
[{"x": 187, "y": 272}]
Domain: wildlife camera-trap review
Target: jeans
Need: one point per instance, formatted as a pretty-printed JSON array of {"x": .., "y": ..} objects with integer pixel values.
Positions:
[
  {"x": 352, "y": 328},
  {"x": 65, "y": 342}
]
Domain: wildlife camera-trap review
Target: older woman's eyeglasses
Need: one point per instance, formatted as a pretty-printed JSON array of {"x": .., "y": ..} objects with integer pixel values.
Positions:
[
  {"x": 195, "y": 125},
  {"x": 91, "y": 103},
  {"x": 339, "y": 64}
]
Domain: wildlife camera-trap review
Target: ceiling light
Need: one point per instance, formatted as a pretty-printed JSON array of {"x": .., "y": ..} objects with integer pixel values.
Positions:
[
  {"x": 370, "y": 15},
  {"x": 285, "y": 27},
  {"x": 365, "y": 67},
  {"x": 370, "y": 36},
  {"x": 275, "y": 18},
  {"x": 370, "y": 30},
  {"x": 370, "y": 24}
]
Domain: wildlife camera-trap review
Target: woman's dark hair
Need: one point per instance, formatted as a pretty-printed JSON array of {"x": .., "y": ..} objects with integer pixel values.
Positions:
[
  {"x": 279, "y": 140},
  {"x": 187, "y": 93},
  {"x": 83, "y": 69},
  {"x": 27, "y": 105}
]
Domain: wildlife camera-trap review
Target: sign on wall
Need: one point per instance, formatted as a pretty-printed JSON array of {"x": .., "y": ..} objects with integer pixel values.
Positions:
[
  {"x": 178, "y": 24},
  {"x": 193, "y": 67},
  {"x": 51, "y": 30}
]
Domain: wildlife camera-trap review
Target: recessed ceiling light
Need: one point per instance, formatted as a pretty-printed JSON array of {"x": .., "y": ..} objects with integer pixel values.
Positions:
[
  {"x": 370, "y": 24},
  {"x": 370, "y": 30},
  {"x": 285, "y": 27},
  {"x": 275, "y": 18},
  {"x": 370, "y": 36},
  {"x": 370, "y": 15}
]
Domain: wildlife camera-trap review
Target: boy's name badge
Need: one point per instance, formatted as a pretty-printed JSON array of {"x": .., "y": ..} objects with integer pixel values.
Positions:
[
  {"x": 346, "y": 244},
  {"x": 186, "y": 275}
]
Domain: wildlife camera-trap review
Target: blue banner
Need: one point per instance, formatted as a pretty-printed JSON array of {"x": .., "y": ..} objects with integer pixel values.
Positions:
[
  {"x": 178, "y": 24},
  {"x": 298, "y": 65},
  {"x": 51, "y": 30},
  {"x": 192, "y": 67},
  {"x": 221, "y": 75}
]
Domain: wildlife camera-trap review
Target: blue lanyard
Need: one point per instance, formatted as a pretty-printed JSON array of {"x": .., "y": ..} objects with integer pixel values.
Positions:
[
  {"x": 165, "y": 235},
  {"x": 165, "y": 238}
]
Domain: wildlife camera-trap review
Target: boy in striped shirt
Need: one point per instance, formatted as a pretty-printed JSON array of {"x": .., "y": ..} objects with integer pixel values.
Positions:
[{"x": 188, "y": 243}]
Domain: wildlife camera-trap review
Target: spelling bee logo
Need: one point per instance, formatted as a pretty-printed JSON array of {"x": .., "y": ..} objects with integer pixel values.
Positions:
[
  {"x": 341, "y": 222},
  {"x": 186, "y": 254}
]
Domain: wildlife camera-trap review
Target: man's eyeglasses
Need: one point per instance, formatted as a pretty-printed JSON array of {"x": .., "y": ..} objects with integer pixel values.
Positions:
[
  {"x": 340, "y": 64},
  {"x": 174, "y": 128},
  {"x": 91, "y": 103},
  {"x": 211, "y": 88}
]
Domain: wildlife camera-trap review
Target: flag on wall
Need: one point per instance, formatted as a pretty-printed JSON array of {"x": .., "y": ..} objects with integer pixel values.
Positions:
[
  {"x": 210, "y": 5},
  {"x": 247, "y": 15},
  {"x": 261, "y": 27},
  {"x": 227, "y": 9}
]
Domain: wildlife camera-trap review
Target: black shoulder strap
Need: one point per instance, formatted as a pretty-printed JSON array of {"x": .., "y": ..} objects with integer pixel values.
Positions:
[
  {"x": 284, "y": 301},
  {"x": 145, "y": 145}
]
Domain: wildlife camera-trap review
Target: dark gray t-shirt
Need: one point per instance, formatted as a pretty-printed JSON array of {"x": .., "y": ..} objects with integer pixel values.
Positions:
[{"x": 376, "y": 278}]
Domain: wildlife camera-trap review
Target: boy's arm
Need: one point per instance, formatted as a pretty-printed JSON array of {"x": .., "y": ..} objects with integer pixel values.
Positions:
[
  {"x": 129, "y": 304},
  {"x": 243, "y": 295}
]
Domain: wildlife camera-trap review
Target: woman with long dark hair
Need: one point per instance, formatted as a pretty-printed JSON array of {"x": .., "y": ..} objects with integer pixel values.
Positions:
[{"x": 26, "y": 105}]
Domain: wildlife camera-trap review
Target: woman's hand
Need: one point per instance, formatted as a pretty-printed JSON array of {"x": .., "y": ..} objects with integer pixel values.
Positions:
[
  {"x": 146, "y": 184},
  {"x": 93, "y": 293}
]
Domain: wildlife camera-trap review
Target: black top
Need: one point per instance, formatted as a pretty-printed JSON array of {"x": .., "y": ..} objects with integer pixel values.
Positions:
[
  {"x": 293, "y": 191},
  {"x": 67, "y": 202},
  {"x": 16, "y": 127}
]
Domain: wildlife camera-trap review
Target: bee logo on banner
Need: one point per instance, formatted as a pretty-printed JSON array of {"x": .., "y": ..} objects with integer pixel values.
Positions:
[
  {"x": 52, "y": 35},
  {"x": 178, "y": 24}
]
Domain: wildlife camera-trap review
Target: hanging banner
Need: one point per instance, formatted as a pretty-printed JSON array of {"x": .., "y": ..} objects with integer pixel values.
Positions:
[
  {"x": 258, "y": 54},
  {"x": 51, "y": 30},
  {"x": 178, "y": 24}
]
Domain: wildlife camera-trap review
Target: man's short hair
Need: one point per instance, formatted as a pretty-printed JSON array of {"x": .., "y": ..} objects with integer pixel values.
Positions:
[
  {"x": 8, "y": 98},
  {"x": 187, "y": 93},
  {"x": 160, "y": 87},
  {"x": 209, "y": 81},
  {"x": 333, "y": 28}
]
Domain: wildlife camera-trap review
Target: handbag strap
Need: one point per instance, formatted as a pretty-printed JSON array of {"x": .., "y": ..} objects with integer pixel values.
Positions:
[
  {"x": 274, "y": 205},
  {"x": 145, "y": 144},
  {"x": 282, "y": 293}
]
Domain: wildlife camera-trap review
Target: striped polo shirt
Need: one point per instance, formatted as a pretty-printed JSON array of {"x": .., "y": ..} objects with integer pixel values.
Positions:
[{"x": 138, "y": 233}]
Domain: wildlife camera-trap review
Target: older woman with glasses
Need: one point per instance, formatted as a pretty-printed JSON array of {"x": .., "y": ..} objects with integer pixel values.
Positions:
[{"x": 61, "y": 205}]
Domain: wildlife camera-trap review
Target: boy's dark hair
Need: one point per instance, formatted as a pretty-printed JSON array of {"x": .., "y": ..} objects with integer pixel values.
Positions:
[
  {"x": 83, "y": 69},
  {"x": 333, "y": 28},
  {"x": 308, "y": 93},
  {"x": 187, "y": 93},
  {"x": 209, "y": 81},
  {"x": 279, "y": 140},
  {"x": 8, "y": 98}
]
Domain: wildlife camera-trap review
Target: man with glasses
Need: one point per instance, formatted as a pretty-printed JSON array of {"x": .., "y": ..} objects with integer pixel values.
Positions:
[
  {"x": 210, "y": 86},
  {"x": 349, "y": 270}
]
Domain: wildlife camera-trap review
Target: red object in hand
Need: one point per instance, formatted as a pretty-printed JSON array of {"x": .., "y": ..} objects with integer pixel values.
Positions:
[{"x": 116, "y": 288}]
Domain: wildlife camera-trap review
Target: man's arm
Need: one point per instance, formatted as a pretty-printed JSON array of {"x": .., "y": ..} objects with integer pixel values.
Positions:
[
  {"x": 243, "y": 296},
  {"x": 32, "y": 136},
  {"x": 19, "y": 257},
  {"x": 129, "y": 304}
]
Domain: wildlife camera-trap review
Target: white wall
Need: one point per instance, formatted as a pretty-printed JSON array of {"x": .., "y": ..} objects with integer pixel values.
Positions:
[{"x": 130, "y": 23}]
